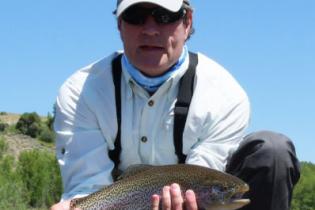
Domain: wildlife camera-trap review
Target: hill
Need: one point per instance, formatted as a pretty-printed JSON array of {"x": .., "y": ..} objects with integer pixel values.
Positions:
[
  {"x": 9, "y": 118},
  {"x": 18, "y": 142},
  {"x": 29, "y": 173}
]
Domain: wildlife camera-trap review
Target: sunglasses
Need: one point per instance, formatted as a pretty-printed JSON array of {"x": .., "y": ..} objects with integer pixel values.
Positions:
[{"x": 137, "y": 15}]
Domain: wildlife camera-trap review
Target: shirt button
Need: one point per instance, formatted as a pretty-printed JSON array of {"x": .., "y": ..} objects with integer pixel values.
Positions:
[
  {"x": 151, "y": 103},
  {"x": 144, "y": 139}
]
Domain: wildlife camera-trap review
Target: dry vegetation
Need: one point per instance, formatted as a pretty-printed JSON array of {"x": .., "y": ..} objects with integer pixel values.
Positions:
[
  {"x": 18, "y": 143},
  {"x": 9, "y": 118}
]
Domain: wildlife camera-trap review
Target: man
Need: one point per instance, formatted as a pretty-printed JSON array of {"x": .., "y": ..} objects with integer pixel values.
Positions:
[{"x": 91, "y": 118}]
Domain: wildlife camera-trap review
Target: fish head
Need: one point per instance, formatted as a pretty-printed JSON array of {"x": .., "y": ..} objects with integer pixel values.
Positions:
[{"x": 224, "y": 192}]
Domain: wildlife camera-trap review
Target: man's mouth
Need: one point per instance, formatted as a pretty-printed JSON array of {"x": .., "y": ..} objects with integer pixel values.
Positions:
[{"x": 151, "y": 48}]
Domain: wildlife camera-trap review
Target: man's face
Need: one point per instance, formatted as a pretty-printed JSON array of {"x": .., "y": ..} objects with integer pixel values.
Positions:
[{"x": 154, "y": 47}]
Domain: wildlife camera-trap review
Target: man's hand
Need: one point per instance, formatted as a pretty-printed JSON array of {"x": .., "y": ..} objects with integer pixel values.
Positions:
[
  {"x": 64, "y": 205},
  {"x": 172, "y": 199}
]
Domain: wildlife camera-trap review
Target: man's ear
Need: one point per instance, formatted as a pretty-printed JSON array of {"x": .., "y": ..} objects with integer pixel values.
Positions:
[{"x": 188, "y": 21}]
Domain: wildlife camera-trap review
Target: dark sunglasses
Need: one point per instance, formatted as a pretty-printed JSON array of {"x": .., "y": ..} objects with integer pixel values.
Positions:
[{"x": 137, "y": 15}]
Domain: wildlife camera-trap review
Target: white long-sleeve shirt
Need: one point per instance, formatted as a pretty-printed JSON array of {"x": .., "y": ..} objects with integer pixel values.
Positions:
[{"x": 86, "y": 124}]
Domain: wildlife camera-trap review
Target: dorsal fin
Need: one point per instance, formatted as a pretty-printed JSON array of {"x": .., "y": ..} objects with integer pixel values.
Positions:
[{"x": 133, "y": 170}]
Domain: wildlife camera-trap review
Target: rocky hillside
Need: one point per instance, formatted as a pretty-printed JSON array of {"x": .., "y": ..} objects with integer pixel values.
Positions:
[
  {"x": 9, "y": 118},
  {"x": 18, "y": 142}
]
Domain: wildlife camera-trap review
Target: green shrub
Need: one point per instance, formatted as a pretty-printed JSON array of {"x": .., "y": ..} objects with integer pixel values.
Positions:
[
  {"x": 304, "y": 192},
  {"x": 41, "y": 177},
  {"x": 3, "y": 113},
  {"x": 50, "y": 121},
  {"x": 12, "y": 129},
  {"x": 12, "y": 193},
  {"x": 3, "y": 126},
  {"x": 47, "y": 135},
  {"x": 32, "y": 182},
  {"x": 3, "y": 147},
  {"x": 29, "y": 124}
]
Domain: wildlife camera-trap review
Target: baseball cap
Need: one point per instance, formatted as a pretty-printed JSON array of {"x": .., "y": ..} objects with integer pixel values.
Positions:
[{"x": 171, "y": 5}]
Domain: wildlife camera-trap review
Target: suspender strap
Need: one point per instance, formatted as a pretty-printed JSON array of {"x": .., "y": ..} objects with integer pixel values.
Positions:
[
  {"x": 116, "y": 72},
  {"x": 185, "y": 93}
]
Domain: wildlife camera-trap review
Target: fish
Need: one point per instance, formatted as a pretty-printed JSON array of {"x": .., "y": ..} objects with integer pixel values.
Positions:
[{"x": 215, "y": 190}]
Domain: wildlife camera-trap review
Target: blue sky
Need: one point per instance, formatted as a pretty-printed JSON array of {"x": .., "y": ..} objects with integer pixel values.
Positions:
[{"x": 269, "y": 46}]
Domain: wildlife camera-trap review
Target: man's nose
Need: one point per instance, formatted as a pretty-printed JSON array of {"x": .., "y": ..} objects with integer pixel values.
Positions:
[{"x": 150, "y": 27}]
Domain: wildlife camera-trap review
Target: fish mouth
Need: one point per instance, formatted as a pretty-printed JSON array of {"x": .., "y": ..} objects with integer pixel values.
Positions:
[
  {"x": 230, "y": 200},
  {"x": 240, "y": 192},
  {"x": 237, "y": 201},
  {"x": 241, "y": 201}
]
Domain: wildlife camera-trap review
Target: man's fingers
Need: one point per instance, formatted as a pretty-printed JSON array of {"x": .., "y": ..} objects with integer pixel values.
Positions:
[
  {"x": 166, "y": 198},
  {"x": 190, "y": 203},
  {"x": 155, "y": 200},
  {"x": 176, "y": 197},
  {"x": 172, "y": 199},
  {"x": 64, "y": 205}
]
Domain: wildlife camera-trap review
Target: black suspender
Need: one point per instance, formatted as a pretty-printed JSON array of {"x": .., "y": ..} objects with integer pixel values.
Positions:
[
  {"x": 114, "y": 154},
  {"x": 185, "y": 92}
]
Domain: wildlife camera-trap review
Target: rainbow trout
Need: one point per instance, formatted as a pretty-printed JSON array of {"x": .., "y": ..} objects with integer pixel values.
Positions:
[{"x": 214, "y": 190}]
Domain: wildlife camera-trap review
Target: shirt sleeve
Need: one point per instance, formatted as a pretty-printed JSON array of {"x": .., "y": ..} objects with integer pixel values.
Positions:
[
  {"x": 81, "y": 149},
  {"x": 220, "y": 136}
]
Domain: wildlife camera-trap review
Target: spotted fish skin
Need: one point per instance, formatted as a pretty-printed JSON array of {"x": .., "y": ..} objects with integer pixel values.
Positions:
[{"x": 214, "y": 189}]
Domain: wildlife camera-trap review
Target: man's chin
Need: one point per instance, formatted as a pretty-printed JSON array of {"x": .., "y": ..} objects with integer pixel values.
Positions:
[
  {"x": 152, "y": 71},
  {"x": 152, "y": 68}
]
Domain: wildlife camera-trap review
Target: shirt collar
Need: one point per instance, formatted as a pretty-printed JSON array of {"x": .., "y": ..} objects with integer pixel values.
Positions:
[{"x": 170, "y": 83}]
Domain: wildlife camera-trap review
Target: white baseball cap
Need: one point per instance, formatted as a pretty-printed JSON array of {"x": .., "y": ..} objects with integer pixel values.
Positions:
[{"x": 171, "y": 5}]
